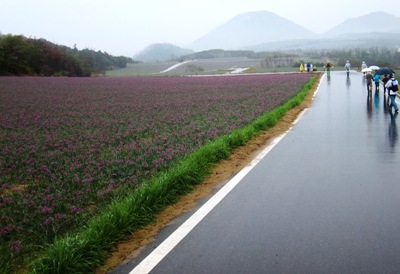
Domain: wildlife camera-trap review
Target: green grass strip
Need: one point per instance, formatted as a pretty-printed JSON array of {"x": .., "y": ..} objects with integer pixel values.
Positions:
[{"x": 86, "y": 250}]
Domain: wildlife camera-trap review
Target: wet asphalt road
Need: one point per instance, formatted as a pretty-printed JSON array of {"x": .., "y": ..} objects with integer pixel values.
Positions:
[{"x": 325, "y": 199}]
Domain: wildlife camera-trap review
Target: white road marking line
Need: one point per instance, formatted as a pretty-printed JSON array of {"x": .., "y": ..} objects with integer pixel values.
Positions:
[{"x": 165, "y": 247}]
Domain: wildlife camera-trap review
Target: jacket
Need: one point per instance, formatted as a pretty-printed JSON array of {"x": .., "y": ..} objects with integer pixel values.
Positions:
[
  {"x": 389, "y": 86},
  {"x": 369, "y": 78}
]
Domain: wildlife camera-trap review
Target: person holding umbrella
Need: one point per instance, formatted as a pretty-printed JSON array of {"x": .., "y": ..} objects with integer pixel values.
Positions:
[
  {"x": 386, "y": 72},
  {"x": 374, "y": 67},
  {"x": 393, "y": 87},
  {"x": 363, "y": 66},
  {"x": 385, "y": 79},
  {"x": 366, "y": 70},
  {"x": 369, "y": 78}
]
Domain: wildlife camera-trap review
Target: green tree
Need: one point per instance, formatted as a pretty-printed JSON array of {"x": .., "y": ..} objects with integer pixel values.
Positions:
[{"x": 15, "y": 55}]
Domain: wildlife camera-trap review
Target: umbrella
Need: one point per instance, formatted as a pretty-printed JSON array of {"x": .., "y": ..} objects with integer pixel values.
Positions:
[
  {"x": 384, "y": 71},
  {"x": 374, "y": 67},
  {"x": 366, "y": 70}
]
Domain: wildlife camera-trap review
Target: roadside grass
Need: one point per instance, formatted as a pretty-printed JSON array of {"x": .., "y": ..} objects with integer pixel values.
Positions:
[{"x": 87, "y": 249}]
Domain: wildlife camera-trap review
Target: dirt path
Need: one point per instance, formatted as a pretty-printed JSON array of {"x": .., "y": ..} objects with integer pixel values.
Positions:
[{"x": 221, "y": 173}]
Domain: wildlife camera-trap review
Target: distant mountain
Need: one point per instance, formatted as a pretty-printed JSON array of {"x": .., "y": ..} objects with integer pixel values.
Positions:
[
  {"x": 373, "y": 22},
  {"x": 250, "y": 29},
  {"x": 161, "y": 52},
  {"x": 375, "y": 29},
  {"x": 266, "y": 31},
  {"x": 355, "y": 40}
]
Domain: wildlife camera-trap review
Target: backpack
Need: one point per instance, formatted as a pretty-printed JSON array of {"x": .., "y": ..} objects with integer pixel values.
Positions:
[{"x": 395, "y": 85}]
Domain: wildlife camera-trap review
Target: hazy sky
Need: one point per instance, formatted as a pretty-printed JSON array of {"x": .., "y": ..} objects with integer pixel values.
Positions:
[{"x": 123, "y": 27}]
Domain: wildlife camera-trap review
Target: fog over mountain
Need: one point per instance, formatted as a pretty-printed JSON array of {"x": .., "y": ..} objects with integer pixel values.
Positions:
[
  {"x": 266, "y": 31},
  {"x": 161, "y": 52},
  {"x": 374, "y": 22},
  {"x": 254, "y": 29},
  {"x": 249, "y": 29}
]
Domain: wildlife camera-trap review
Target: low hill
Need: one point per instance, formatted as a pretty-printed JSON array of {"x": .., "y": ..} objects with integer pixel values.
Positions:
[{"x": 161, "y": 52}]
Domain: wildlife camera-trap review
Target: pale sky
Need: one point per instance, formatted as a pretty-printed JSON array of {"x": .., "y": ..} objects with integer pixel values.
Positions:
[{"x": 123, "y": 27}]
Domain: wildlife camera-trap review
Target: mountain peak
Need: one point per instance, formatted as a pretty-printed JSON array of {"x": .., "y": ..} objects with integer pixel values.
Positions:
[
  {"x": 260, "y": 13},
  {"x": 251, "y": 28}
]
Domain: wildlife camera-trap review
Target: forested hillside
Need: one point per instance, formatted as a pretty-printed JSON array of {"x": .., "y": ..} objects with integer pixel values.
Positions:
[{"x": 37, "y": 57}]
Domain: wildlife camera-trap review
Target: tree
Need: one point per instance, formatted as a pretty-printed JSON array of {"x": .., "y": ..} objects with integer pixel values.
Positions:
[
  {"x": 26, "y": 56},
  {"x": 14, "y": 55}
]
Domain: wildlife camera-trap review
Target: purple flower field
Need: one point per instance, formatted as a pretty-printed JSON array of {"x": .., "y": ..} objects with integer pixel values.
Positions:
[{"x": 67, "y": 143}]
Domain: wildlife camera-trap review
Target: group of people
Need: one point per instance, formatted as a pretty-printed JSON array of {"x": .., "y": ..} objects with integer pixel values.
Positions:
[
  {"x": 328, "y": 66},
  {"x": 389, "y": 83},
  {"x": 308, "y": 66},
  {"x": 374, "y": 78}
]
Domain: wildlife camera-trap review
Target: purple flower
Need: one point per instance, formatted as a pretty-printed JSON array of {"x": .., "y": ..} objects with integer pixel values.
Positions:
[
  {"x": 74, "y": 209},
  {"x": 59, "y": 216},
  {"x": 87, "y": 180},
  {"x": 48, "y": 221},
  {"x": 15, "y": 246},
  {"x": 5, "y": 230},
  {"x": 7, "y": 200},
  {"x": 45, "y": 210},
  {"x": 45, "y": 169}
]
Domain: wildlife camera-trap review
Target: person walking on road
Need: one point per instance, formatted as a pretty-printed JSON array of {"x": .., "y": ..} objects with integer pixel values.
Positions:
[
  {"x": 369, "y": 78},
  {"x": 385, "y": 80},
  {"x": 393, "y": 87},
  {"x": 347, "y": 66},
  {"x": 377, "y": 79},
  {"x": 301, "y": 68},
  {"x": 363, "y": 66},
  {"x": 328, "y": 68}
]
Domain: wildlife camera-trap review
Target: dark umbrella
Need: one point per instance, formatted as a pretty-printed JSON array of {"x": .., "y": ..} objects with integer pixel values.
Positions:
[{"x": 384, "y": 71}]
